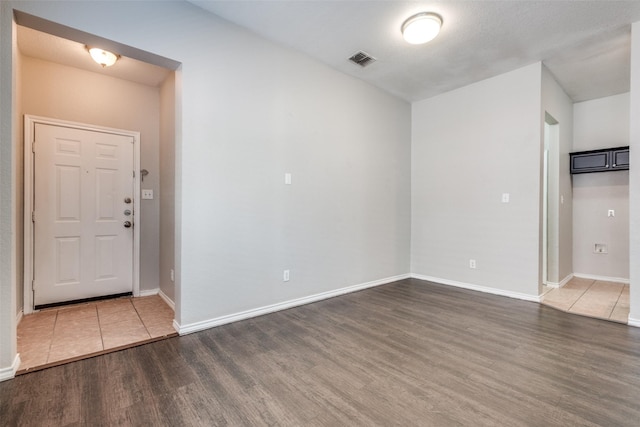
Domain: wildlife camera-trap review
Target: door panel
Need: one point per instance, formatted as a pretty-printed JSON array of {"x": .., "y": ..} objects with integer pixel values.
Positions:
[
  {"x": 68, "y": 188},
  {"x": 106, "y": 185},
  {"x": 67, "y": 260},
  {"x": 105, "y": 253},
  {"x": 81, "y": 180}
]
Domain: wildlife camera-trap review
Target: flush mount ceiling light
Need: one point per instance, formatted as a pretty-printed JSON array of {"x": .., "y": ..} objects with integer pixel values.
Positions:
[
  {"x": 421, "y": 28},
  {"x": 103, "y": 57}
]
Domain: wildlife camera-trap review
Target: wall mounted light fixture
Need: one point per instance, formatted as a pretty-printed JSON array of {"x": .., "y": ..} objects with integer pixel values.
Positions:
[
  {"x": 421, "y": 28},
  {"x": 103, "y": 57}
]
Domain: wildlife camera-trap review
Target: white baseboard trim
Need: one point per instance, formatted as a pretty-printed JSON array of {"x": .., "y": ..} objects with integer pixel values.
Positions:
[
  {"x": 10, "y": 372},
  {"x": 485, "y": 289},
  {"x": 560, "y": 283},
  {"x": 167, "y": 300},
  {"x": 149, "y": 292},
  {"x": 230, "y": 318},
  {"x": 158, "y": 291},
  {"x": 633, "y": 322},
  {"x": 602, "y": 278},
  {"x": 18, "y": 317}
]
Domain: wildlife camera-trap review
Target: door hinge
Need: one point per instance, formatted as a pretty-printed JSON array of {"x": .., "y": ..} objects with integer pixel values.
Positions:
[
  {"x": 33, "y": 147},
  {"x": 33, "y": 286},
  {"x": 33, "y": 216}
]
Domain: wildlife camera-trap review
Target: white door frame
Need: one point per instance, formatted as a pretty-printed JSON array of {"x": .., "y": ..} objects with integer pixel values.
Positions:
[{"x": 29, "y": 134}]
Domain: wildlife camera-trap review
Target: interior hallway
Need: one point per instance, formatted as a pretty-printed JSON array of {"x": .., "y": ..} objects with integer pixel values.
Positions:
[
  {"x": 593, "y": 298},
  {"x": 64, "y": 334}
]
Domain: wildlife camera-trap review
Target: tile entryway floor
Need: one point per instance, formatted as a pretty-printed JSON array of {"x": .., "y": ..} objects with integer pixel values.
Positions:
[
  {"x": 59, "y": 335},
  {"x": 593, "y": 298}
]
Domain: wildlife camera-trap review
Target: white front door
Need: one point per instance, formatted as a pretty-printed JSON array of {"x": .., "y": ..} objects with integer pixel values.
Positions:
[{"x": 83, "y": 204}]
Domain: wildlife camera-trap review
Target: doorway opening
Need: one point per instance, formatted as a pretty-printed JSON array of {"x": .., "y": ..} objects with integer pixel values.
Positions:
[
  {"x": 141, "y": 95},
  {"x": 564, "y": 288}
]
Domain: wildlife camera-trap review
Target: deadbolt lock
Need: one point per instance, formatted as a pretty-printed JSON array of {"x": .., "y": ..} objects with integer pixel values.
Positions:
[{"x": 127, "y": 224}]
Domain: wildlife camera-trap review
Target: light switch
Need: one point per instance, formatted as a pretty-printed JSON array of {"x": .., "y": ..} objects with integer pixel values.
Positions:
[
  {"x": 505, "y": 197},
  {"x": 611, "y": 212},
  {"x": 147, "y": 194},
  {"x": 287, "y": 178}
]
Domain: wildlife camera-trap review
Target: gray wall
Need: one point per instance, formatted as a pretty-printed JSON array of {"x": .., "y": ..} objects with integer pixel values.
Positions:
[
  {"x": 67, "y": 93},
  {"x": 601, "y": 123},
  {"x": 470, "y": 146},
  {"x": 556, "y": 103},
  {"x": 167, "y": 185}
]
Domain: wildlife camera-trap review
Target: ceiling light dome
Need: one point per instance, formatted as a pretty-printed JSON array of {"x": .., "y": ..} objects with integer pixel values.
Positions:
[
  {"x": 421, "y": 28},
  {"x": 103, "y": 57}
]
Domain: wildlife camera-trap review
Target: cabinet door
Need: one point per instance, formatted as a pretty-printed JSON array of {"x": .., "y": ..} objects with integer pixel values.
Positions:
[
  {"x": 590, "y": 162},
  {"x": 620, "y": 159}
]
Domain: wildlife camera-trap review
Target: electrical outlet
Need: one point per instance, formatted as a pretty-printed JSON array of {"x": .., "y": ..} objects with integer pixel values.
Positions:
[
  {"x": 285, "y": 276},
  {"x": 147, "y": 194},
  {"x": 600, "y": 248},
  {"x": 472, "y": 263}
]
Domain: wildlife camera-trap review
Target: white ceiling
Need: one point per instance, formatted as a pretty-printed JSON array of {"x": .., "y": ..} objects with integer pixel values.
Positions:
[
  {"x": 37, "y": 44},
  {"x": 585, "y": 44}
]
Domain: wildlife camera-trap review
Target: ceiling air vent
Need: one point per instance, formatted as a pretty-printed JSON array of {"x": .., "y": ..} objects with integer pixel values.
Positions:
[{"x": 362, "y": 59}]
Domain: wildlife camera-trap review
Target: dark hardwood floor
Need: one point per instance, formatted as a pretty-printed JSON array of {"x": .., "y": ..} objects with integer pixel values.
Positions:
[{"x": 408, "y": 353}]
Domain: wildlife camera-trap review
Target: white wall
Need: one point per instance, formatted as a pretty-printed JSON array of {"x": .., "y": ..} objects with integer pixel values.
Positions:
[
  {"x": 634, "y": 178},
  {"x": 67, "y": 93},
  {"x": 601, "y": 123},
  {"x": 556, "y": 103},
  {"x": 344, "y": 220},
  {"x": 469, "y": 146},
  {"x": 252, "y": 111}
]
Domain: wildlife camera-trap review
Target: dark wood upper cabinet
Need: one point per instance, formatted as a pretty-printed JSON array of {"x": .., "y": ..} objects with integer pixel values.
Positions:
[
  {"x": 620, "y": 158},
  {"x": 609, "y": 159}
]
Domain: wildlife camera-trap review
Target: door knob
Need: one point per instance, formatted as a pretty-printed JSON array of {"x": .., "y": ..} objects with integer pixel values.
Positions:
[
  {"x": 127, "y": 224},
  {"x": 127, "y": 200}
]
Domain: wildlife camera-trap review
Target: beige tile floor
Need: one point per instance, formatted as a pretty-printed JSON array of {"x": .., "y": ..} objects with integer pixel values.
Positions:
[
  {"x": 593, "y": 298},
  {"x": 57, "y": 335}
]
